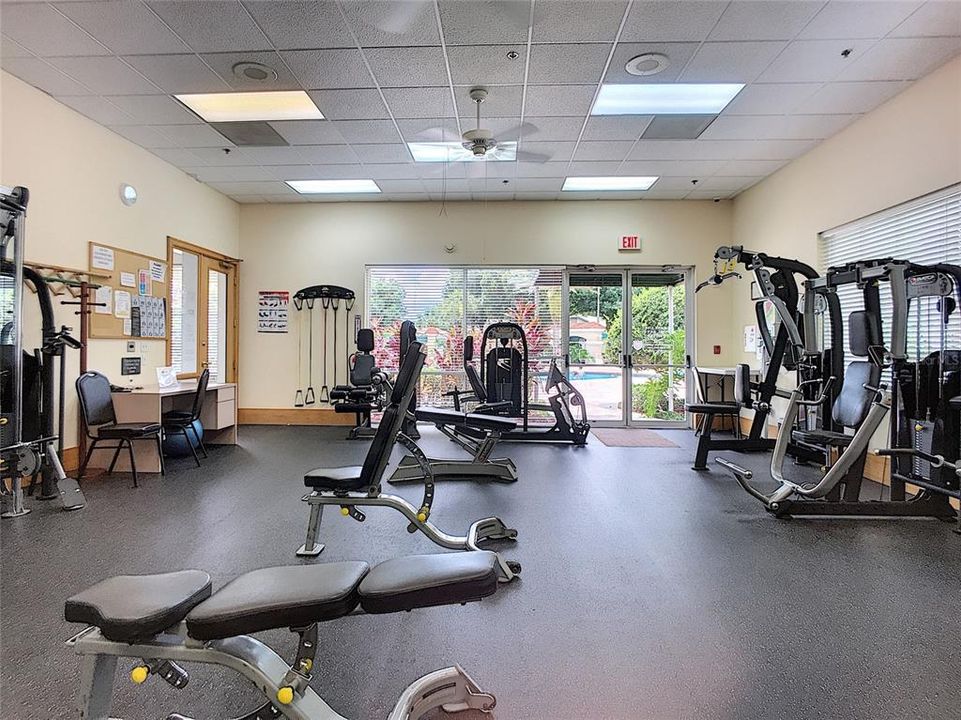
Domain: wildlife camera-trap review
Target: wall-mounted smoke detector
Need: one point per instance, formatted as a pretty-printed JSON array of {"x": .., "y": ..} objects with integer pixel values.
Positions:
[
  {"x": 647, "y": 64},
  {"x": 255, "y": 71}
]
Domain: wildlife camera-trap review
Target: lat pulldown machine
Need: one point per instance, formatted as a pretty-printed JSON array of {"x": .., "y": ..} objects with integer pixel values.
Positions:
[{"x": 331, "y": 297}]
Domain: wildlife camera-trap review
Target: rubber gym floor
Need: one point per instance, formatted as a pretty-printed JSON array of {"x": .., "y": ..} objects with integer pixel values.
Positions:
[{"x": 648, "y": 591}]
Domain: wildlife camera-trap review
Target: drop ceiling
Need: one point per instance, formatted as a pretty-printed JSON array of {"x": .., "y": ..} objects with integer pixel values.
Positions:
[{"x": 384, "y": 72}]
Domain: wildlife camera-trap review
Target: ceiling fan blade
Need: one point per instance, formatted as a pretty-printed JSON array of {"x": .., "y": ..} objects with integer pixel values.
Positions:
[
  {"x": 532, "y": 157},
  {"x": 518, "y": 131}
]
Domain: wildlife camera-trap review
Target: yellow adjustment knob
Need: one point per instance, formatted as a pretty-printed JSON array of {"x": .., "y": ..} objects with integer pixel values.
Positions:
[
  {"x": 345, "y": 511},
  {"x": 139, "y": 674},
  {"x": 422, "y": 515},
  {"x": 919, "y": 428},
  {"x": 306, "y": 664},
  {"x": 285, "y": 695}
]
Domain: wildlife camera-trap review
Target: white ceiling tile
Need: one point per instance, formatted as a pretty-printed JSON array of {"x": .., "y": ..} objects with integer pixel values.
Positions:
[
  {"x": 367, "y": 131},
  {"x": 451, "y": 197},
  {"x": 328, "y": 69},
  {"x": 555, "y": 151},
  {"x": 248, "y": 199},
  {"x": 616, "y": 127},
  {"x": 858, "y": 19},
  {"x": 420, "y": 102},
  {"x": 754, "y": 168},
  {"x": 12, "y": 49},
  {"x": 42, "y": 75},
  {"x": 429, "y": 130},
  {"x": 153, "y": 109},
  {"x": 382, "y": 153},
  {"x": 223, "y": 63},
  {"x": 503, "y": 128},
  {"x": 764, "y": 19},
  {"x": 324, "y": 155},
  {"x": 402, "y": 186},
  {"x": 350, "y": 104},
  {"x": 124, "y": 26},
  {"x": 317, "y": 172},
  {"x": 663, "y": 193},
  {"x": 671, "y": 20},
  {"x": 200, "y": 135},
  {"x": 231, "y": 174},
  {"x": 377, "y": 23},
  {"x": 710, "y": 195},
  {"x": 301, "y": 24},
  {"x": 43, "y": 30},
  {"x": 812, "y": 60},
  {"x": 559, "y": 100},
  {"x": 730, "y": 61},
  {"x": 774, "y": 127},
  {"x": 308, "y": 132},
  {"x": 535, "y": 196},
  {"x": 537, "y": 184},
  {"x": 561, "y": 21},
  {"x": 678, "y": 55},
  {"x": 504, "y": 22},
  {"x": 97, "y": 109},
  {"x": 290, "y": 197},
  {"x": 407, "y": 67},
  {"x": 106, "y": 75},
  {"x": 179, "y": 157},
  {"x": 607, "y": 150},
  {"x": 726, "y": 183},
  {"x": 502, "y": 101},
  {"x": 541, "y": 170},
  {"x": 769, "y": 149},
  {"x": 674, "y": 185},
  {"x": 217, "y": 156},
  {"x": 212, "y": 25},
  {"x": 405, "y": 197},
  {"x": 442, "y": 170},
  {"x": 592, "y": 169},
  {"x": 145, "y": 136},
  {"x": 672, "y": 168},
  {"x": 391, "y": 172},
  {"x": 449, "y": 185},
  {"x": 771, "y": 98},
  {"x": 568, "y": 63},
  {"x": 486, "y": 64},
  {"x": 552, "y": 128},
  {"x": 178, "y": 73},
  {"x": 683, "y": 150},
  {"x": 253, "y": 188},
  {"x": 902, "y": 58},
  {"x": 495, "y": 170},
  {"x": 934, "y": 18},
  {"x": 851, "y": 97}
]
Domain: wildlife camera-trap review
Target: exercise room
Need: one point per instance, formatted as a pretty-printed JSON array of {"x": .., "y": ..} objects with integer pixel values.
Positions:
[{"x": 421, "y": 359}]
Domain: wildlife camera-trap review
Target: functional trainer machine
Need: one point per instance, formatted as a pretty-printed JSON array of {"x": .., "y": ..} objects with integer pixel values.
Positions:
[
  {"x": 776, "y": 279},
  {"x": 331, "y": 298},
  {"x": 354, "y": 487},
  {"x": 172, "y": 618},
  {"x": 28, "y": 438}
]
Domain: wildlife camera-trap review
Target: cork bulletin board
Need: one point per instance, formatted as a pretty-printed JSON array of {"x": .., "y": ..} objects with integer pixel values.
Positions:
[{"x": 133, "y": 290}]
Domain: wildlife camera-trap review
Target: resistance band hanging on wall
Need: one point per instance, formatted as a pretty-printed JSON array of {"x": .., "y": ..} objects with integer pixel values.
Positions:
[{"x": 330, "y": 297}]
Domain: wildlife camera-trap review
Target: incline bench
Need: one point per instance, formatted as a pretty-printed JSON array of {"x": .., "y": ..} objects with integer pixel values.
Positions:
[{"x": 163, "y": 620}]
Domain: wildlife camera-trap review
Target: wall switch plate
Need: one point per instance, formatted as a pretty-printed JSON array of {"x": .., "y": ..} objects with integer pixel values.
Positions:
[
  {"x": 131, "y": 346},
  {"x": 144, "y": 348}
]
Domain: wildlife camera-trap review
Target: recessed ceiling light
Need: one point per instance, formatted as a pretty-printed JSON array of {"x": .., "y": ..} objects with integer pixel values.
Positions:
[
  {"x": 315, "y": 187},
  {"x": 647, "y": 64},
  {"x": 252, "y": 106},
  {"x": 581, "y": 184},
  {"x": 249, "y": 70},
  {"x": 664, "y": 98},
  {"x": 455, "y": 152}
]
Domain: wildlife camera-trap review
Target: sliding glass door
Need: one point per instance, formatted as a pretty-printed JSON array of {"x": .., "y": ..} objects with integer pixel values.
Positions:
[{"x": 627, "y": 340}]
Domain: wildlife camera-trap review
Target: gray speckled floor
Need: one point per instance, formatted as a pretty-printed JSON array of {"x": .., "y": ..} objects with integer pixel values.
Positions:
[{"x": 648, "y": 592}]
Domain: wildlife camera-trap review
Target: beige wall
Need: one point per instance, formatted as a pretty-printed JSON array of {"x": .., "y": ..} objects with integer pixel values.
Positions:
[
  {"x": 74, "y": 168},
  {"x": 286, "y": 247}
]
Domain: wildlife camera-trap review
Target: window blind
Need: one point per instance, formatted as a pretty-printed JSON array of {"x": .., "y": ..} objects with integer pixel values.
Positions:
[
  {"x": 924, "y": 231},
  {"x": 176, "y": 315}
]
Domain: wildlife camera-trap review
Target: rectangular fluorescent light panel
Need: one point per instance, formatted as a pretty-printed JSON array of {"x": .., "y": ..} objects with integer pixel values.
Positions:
[
  {"x": 455, "y": 152},
  {"x": 581, "y": 184},
  {"x": 664, "y": 98},
  {"x": 251, "y": 106},
  {"x": 316, "y": 187}
]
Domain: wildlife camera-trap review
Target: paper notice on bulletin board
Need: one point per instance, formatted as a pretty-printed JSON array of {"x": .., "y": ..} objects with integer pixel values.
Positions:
[
  {"x": 103, "y": 299},
  {"x": 128, "y": 279},
  {"x": 750, "y": 338},
  {"x": 143, "y": 283},
  {"x": 121, "y": 304},
  {"x": 101, "y": 258},
  {"x": 272, "y": 311},
  {"x": 157, "y": 271}
]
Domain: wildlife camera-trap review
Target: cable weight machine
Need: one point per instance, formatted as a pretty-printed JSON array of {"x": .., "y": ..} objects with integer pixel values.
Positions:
[{"x": 331, "y": 299}]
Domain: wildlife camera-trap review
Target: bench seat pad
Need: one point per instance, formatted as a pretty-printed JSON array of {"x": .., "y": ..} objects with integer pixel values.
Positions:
[
  {"x": 822, "y": 437},
  {"x": 341, "y": 478},
  {"x": 455, "y": 417},
  {"x": 135, "y": 607},
  {"x": 416, "y": 581},
  {"x": 278, "y": 597},
  {"x": 714, "y": 407}
]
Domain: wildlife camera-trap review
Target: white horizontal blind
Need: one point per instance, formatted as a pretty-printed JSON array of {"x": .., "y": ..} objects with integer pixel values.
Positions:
[
  {"x": 924, "y": 231},
  {"x": 445, "y": 302},
  {"x": 176, "y": 315}
]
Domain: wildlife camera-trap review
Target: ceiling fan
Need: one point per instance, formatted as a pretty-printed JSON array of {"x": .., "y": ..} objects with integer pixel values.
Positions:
[{"x": 481, "y": 143}]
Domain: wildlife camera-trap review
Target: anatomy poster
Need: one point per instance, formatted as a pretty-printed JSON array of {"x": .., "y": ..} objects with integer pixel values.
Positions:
[{"x": 272, "y": 311}]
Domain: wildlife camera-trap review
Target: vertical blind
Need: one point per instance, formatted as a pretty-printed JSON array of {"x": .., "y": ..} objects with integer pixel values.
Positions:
[
  {"x": 176, "y": 314},
  {"x": 924, "y": 231}
]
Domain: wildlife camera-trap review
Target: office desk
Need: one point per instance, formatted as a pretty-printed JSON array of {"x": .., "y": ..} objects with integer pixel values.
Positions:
[{"x": 148, "y": 404}]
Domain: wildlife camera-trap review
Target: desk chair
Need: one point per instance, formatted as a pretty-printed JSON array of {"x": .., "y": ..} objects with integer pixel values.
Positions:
[
  {"x": 180, "y": 421},
  {"x": 733, "y": 409},
  {"x": 96, "y": 409}
]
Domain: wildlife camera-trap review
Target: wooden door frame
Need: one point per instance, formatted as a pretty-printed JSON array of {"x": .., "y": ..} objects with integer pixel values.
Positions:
[{"x": 233, "y": 310}]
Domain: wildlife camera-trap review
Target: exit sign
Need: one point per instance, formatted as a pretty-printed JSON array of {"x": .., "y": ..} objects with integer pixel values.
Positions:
[{"x": 629, "y": 243}]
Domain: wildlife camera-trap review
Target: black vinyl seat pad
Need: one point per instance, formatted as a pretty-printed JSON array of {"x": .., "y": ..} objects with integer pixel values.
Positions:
[
  {"x": 821, "y": 437},
  {"x": 133, "y": 607},
  {"x": 346, "y": 478},
  {"x": 278, "y": 597},
  {"x": 445, "y": 416},
  {"x": 123, "y": 431},
  {"x": 714, "y": 407}
]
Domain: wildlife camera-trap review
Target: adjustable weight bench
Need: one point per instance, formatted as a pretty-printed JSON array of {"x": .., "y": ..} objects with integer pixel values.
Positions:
[
  {"x": 352, "y": 487},
  {"x": 172, "y": 618},
  {"x": 477, "y": 434}
]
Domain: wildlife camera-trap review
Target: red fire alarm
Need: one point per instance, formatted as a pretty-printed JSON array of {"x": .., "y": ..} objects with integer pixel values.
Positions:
[{"x": 717, "y": 349}]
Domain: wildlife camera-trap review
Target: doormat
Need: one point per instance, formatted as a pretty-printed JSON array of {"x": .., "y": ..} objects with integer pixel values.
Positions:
[{"x": 631, "y": 437}]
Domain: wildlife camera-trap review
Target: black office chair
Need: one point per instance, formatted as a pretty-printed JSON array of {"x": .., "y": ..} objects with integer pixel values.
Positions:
[
  {"x": 180, "y": 421},
  {"x": 96, "y": 409}
]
